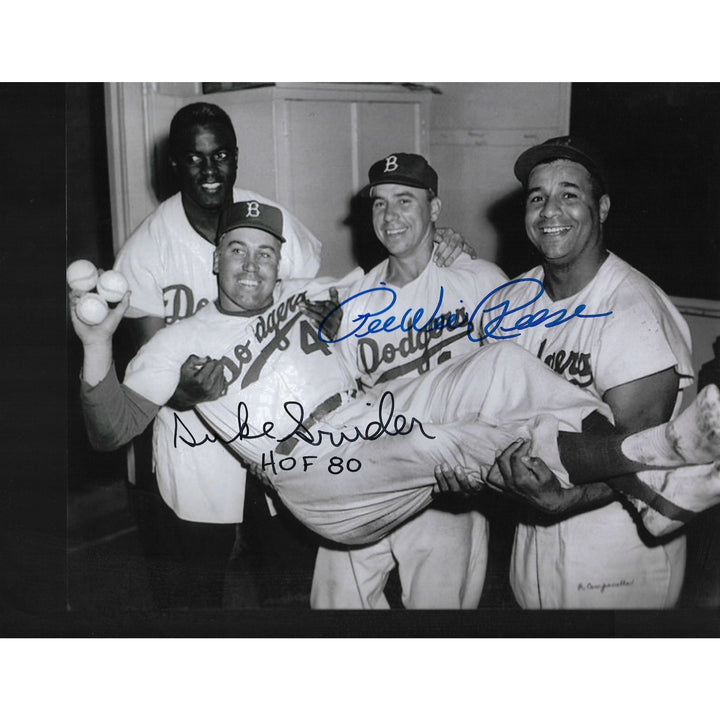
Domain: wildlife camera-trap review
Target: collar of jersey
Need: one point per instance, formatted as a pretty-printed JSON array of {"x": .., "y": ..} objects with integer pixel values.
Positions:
[{"x": 243, "y": 313}]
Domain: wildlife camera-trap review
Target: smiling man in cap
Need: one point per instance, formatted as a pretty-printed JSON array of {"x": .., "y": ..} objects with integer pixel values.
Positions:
[
  {"x": 440, "y": 555},
  {"x": 588, "y": 552}
]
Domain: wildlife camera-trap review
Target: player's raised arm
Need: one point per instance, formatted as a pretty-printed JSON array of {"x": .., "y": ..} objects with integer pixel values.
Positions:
[{"x": 96, "y": 338}]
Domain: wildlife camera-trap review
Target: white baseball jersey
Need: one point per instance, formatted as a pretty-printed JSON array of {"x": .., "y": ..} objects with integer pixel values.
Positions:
[
  {"x": 441, "y": 556},
  {"x": 431, "y": 315},
  {"x": 169, "y": 268},
  {"x": 597, "y": 559}
]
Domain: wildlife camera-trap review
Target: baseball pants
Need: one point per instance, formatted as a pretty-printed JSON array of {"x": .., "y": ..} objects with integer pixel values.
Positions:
[{"x": 441, "y": 558}]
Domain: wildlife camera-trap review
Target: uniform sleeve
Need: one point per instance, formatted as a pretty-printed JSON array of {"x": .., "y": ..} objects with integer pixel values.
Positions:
[
  {"x": 301, "y": 252},
  {"x": 154, "y": 372},
  {"x": 139, "y": 261},
  {"x": 643, "y": 336},
  {"x": 114, "y": 414}
]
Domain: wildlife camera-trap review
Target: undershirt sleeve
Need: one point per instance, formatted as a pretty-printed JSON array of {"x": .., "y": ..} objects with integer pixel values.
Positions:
[{"x": 114, "y": 414}]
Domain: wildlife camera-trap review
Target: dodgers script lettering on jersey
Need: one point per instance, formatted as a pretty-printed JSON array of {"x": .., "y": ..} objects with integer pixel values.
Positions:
[
  {"x": 179, "y": 302},
  {"x": 426, "y": 336},
  {"x": 576, "y": 366}
]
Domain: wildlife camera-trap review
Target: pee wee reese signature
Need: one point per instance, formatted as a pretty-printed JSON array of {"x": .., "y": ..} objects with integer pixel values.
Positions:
[{"x": 506, "y": 324}]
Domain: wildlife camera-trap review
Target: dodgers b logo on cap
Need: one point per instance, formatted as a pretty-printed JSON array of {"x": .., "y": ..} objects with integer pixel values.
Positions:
[
  {"x": 391, "y": 163},
  {"x": 404, "y": 169},
  {"x": 252, "y": 214},
  {"x": 253, "y": 209}
]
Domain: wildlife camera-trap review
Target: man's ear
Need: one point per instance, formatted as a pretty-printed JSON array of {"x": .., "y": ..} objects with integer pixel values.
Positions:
[
  {"x": 174, "y": 165},
  {"x": 216, "y": 260},
  {"x": 435, "y": 207},
  {"x": 604, "y": 207}
]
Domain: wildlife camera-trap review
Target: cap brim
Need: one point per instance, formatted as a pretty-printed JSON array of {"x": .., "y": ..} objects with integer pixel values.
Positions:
[
  {"x": 399, "y": 180},
  {"x": 266, "y": 229},
  {"x": 525, "y": 164}
]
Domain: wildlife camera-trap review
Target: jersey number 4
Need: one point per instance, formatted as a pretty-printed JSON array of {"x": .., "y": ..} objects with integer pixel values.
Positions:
[{"x": 309, "y": 340}]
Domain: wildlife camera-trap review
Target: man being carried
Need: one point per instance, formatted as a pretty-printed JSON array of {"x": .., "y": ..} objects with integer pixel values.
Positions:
[{"x": 354, "y": 468}]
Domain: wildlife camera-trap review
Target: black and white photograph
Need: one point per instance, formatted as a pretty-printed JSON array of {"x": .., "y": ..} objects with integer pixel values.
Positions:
[
  {"x": 425, "y": 233},
  {"x": 362, "y": 359},
  {"x": 451, "y": 252}
]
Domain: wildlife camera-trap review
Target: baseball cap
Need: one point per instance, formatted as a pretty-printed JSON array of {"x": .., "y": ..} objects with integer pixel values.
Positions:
[
  {"x": 566, "y": 147},
  {"x": 252, "y": 214},
  {"x": 404, "y": 169}
]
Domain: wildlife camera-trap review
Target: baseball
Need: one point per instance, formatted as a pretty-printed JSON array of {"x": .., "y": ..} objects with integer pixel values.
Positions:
[
  {"x": 91, "y": 309},
  {"x": 81, "y": 275},
  {"x": 111, "y": 286}
]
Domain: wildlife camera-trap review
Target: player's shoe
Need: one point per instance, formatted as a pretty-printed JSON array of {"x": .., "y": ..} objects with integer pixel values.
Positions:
[
  {"x": 695, "y": 433},
  {"x": 692, "y": 438},
  {"x": 667, "y": 499}
]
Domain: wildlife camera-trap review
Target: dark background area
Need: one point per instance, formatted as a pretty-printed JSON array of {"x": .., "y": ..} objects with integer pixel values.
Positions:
[
  {"x": 89, "y": 236},
  {"x": 662, "y": 143},
  {"x": 33, "y": 415}
]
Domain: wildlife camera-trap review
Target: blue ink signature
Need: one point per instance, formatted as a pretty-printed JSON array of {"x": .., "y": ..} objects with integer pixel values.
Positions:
[{"x": 368, "y": 323}]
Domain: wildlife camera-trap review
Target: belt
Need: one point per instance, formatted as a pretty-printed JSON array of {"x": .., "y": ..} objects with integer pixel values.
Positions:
[{"x": 323, "y": 409}]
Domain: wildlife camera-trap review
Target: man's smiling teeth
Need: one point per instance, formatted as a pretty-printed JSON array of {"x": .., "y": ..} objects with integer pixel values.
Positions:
[
  {"x": 249, "y": 283},
  {"x": 554, "y": 230},
  {"x": 211, "y": 186},
  {"x": 395, "y": 231}
]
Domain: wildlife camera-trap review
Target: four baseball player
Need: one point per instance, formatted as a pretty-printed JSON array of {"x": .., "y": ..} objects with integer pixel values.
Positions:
[{"x": 340, "y": 465}]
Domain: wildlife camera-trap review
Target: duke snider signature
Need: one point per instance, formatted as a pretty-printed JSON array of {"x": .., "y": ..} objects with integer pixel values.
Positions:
[{"x": 387, "y": 422}]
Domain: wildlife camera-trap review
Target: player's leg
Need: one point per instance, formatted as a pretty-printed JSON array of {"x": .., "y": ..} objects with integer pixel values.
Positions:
[
  {"x": 460, "y": 413},
  {"x": 369, "y": 488},
  {"x": 666, "y": 471},
  {"x": 499, "y": 384},
  {"x": 442, "y": 558},
  {"x": 692, "y": 438},
  {"x": 352, "y": 579},
  {"x": 360, "y": 491},
  {"x": 357, "y": 493}
]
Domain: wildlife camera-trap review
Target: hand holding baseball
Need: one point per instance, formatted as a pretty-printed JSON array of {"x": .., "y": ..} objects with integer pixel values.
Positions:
[
  {"x": 83, "y": 278},
  {"x": 102, "y": 331}
]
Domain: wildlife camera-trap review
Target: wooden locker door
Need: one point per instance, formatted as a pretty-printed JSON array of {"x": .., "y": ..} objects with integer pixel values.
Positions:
[{"x": 316, "y": 175}]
